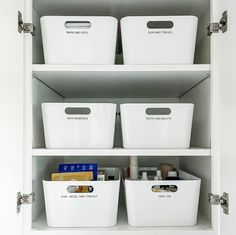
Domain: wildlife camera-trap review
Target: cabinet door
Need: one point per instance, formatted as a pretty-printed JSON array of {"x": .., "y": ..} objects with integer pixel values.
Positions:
[
  {"x": 11, "y": 116},
  {"x": 224, "y": 83}
]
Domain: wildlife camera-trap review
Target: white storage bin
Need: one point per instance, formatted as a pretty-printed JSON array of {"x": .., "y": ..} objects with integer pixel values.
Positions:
[
  {"x": 79, "y": 39},
  {"x": 147, "y": 207},
  {"x": 79, "y": 125},
  {"x": 159, "y": 39},
  {"x": 95, "y": 209},
  {"x": 156, "y": 125}
]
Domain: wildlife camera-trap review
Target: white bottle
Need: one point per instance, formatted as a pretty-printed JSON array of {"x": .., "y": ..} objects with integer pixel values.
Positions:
[
  {"x": 133, "y": 168},
  {"x": 144, "y": 175},
  {"x": 158, "y": 175}
]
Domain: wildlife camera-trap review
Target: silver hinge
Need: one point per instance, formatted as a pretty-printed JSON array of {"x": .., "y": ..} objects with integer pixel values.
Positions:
[
  {"x": 217, "y": 27},
  {"x": 220, "y": 200},
  {"x": 23, "y": 199},
  {"x": 25, "y": 27}
]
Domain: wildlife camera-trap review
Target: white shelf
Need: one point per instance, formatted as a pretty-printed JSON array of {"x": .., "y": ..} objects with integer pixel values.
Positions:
[
  {"x": 122, "y": 152},
  {"x": 40, "y": 227},
  {"x": 111, "y": 81}
]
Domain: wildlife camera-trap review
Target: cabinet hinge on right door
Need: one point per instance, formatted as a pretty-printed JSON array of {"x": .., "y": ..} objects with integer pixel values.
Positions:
[
  {"x": 217, "y": 27},
  {"x": 220, "y": 200},
  {"x": 23, "y": 199},
  {"x": 25, "y": 27}
]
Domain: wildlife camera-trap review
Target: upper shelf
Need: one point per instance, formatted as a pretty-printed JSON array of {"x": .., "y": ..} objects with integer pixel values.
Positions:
[
  {"x": 126, "y": 81},
  {"x": 122, "y": 152},
  {"x": 121, "y": 8}
]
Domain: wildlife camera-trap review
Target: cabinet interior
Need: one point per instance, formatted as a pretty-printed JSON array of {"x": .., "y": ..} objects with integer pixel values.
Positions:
[
  {"x": 123, "y": 8},
  {"x": 199, "y": 94}
]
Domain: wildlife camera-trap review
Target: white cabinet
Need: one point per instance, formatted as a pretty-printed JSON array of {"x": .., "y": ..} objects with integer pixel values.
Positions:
[{"x": 26, "y": 82}]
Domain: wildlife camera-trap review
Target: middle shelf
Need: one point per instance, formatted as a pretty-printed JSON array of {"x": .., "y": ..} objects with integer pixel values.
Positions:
[
  {"x": 127, "y": 81},
  {"x": 122, "y": 152}
]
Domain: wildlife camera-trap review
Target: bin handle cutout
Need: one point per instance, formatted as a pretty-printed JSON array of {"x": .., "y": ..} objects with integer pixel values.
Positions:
[
  {"x": 80, "y": 189},
  {"x": 78, "y": 111},
  {"x": 160, "y": 24},
  {"x": 161, "y": 188},
  {"x": 78, "y": 24},
  {"x": 158, "y": 111}
]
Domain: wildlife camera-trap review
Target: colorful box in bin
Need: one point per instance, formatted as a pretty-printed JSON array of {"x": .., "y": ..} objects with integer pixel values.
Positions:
[
  {"x": 73, "y": 176},
  {"x": 79, "y": 167}
]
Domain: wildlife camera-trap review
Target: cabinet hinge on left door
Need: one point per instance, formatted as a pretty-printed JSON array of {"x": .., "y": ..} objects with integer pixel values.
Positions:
[
  {"x": 23, "y": 199},
  {"x": 25, "y": 27}
]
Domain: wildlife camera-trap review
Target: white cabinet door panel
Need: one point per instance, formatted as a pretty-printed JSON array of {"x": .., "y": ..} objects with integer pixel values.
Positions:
[
  {"x": 224, "y": 78},
  {"x": 11, "y": 116}
]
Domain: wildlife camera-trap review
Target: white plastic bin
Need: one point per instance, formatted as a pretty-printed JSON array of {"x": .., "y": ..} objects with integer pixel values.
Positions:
[
  {"x": 97, "y": 208},
  {"x": 157, "y": 125},
  {"x": 159, "y": 39},
  {"x": 79, "y": 39},
  {"x": 79, "y": 125},
  {"x": 146, "y": 206}
]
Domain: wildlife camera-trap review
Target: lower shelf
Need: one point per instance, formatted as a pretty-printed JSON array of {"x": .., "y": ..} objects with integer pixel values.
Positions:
[{"x": 203, "y": 227}]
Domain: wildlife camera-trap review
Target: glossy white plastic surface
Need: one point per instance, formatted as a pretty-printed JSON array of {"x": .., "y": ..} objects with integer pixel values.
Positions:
[
  {"x": 157, "y": 125},
  {"x": 148, "y": 208},
  {"x": 79, "y": 39},
  {"x": 159, "y": 39},
  {"x": 79, "y": 125},
  {"x": 95, "y": 209}
]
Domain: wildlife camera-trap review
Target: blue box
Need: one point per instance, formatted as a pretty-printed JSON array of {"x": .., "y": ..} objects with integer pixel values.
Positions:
[{"x": 79, "y": 167}]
